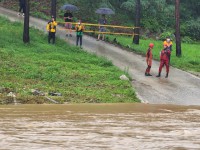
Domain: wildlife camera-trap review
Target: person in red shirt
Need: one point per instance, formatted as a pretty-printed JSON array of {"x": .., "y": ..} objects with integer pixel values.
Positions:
[
  {"x": 68, "y": 18},
  {"x": 149, "y": 57},
  {"x": 164, "y": 60}
]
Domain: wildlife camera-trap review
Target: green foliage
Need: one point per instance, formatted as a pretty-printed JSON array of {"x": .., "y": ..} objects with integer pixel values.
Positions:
[
  {"x": 151, "y": 24},
  {"x": 167, "y": 34},
  {"x": 187, "y": 39},
  {"x": 128, "y": 5},
  {"x": 193, "y": 29}
]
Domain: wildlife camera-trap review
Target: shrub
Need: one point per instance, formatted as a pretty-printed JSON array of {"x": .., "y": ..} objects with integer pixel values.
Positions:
[
  {"x": 167, "y": 34},
  {"x": 193, "y": 29},
  {"x": 187, "y": 39}
]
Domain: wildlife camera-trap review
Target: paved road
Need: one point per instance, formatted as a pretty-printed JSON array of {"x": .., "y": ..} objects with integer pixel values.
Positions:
[{"x": 180, "y": 88}]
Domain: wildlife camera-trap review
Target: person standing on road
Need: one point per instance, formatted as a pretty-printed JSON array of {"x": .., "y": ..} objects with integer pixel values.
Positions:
[
  {"x": 164, "y": 60},
  {"x": 169, "y": 43},
  {"x": 51, "y": 28},
  {"x": 102, "y": 21},
  {"x": 21, "y": 7},
  {"x": 68, "y": 17},
  {"x": 149, "y": 57},
  {"x": 79, "y": 33}
]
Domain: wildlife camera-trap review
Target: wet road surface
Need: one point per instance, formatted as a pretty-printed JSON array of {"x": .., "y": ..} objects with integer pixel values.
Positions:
[
  {"x": 99, "y": 127},
  {"x": 180, "y": 88}
]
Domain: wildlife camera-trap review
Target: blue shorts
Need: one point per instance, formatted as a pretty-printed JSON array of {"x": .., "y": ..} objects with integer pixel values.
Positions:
[{"x": 102, "y": 29}]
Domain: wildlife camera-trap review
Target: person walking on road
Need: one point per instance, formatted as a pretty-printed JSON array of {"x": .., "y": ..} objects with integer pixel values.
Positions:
[
  {"x": 68, "y": 17},
  {"x": 79, "y": 33},
  {"x": 102, "y": 21},
  {"x": 149, "y": 57},
  {"x": 21, "y": 7},
  {"x": 164, "y": 60},
  {"x": 51, "y": 28}
]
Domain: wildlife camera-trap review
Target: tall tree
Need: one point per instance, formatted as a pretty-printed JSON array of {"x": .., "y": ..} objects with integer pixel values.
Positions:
[
  {"x": 178, "y": 37},
  {"x": 53, "y": 8},
  {"x": 26, "y": 37},
  {"x": 137, "y": 22}
]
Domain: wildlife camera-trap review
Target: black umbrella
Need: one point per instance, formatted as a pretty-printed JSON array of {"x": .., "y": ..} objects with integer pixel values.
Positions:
[
  {"x": 69, "y": 7},
  {"x": 105, "y": 11}
]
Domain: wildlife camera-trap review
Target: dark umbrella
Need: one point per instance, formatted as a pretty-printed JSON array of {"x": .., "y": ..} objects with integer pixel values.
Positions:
[
  {"x": 69, "y": 7},
  {"x": 105, "y": 11}
]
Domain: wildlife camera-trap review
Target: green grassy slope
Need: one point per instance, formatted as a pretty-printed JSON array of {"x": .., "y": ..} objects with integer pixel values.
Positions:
[{"x": 79, "y": 76}]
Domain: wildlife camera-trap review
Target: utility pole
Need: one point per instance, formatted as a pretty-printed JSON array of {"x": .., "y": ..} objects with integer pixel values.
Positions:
[
  {"x": 26, "y": 38},
  {"x": 137, "y": 23},
  {"x": 178, "y": 37}
]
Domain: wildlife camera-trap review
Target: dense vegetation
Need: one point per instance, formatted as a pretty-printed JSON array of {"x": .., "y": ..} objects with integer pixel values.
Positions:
[
  {"x": 80, "y": 77},
  {"x": 157, "y": 18}
]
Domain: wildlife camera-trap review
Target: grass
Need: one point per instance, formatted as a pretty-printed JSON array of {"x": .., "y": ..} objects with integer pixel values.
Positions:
[
  {"x": 189, "y": 61},
  {"x": 79, "y": 76}
]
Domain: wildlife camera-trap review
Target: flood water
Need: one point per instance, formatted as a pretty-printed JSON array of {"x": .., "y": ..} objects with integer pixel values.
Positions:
[{"x": 99, "y": 127}]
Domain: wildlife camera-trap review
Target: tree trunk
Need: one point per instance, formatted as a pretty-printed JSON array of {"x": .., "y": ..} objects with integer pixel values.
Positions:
[
  {"x": 178, "y": 37},
  {"x": 137, "y": 23},
  {"x": 26, "y": 38},
  {"x": 53, "y": 8}
]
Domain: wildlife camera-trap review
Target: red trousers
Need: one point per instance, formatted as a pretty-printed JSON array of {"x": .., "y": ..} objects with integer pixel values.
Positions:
[
  {"x": 148, "y": 69},
  {"x": 162, "y": 63}
]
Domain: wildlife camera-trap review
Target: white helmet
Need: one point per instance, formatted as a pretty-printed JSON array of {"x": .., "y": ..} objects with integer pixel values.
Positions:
[{"x": 168, "y": 40}]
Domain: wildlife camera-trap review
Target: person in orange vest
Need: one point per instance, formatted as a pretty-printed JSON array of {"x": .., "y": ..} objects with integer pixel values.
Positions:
[
  {"x": 79, "y": 33},
  {"x": 164, "y": 60},
  {"x": 149, "y": 57},
  {"x": 51, "y": 28},
  {"x": 169, "y": 43}
]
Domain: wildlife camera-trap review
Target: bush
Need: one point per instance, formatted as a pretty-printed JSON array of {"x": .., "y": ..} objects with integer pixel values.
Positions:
[
  {"x": 167, "y": 34},
  {"x": 187, "y": 39},
  {"x": 151, "y": 24},
  {"x": 193, "y": 29}
]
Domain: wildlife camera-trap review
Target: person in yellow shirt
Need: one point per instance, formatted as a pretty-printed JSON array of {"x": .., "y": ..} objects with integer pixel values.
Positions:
[
  {"x": 169, "y": 43},
  {"x": 51, "y": 28},
  {"x": 79, "y": 33}
]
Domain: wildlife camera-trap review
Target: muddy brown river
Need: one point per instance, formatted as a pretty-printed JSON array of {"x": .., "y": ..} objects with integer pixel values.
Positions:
[{"x": 99, "y": 127}]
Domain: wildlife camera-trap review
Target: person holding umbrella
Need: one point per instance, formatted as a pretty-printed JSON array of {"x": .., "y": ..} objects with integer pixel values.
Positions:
[
  {"x": 102, "y": 21},
  {"x": 68, "y": 17}
]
